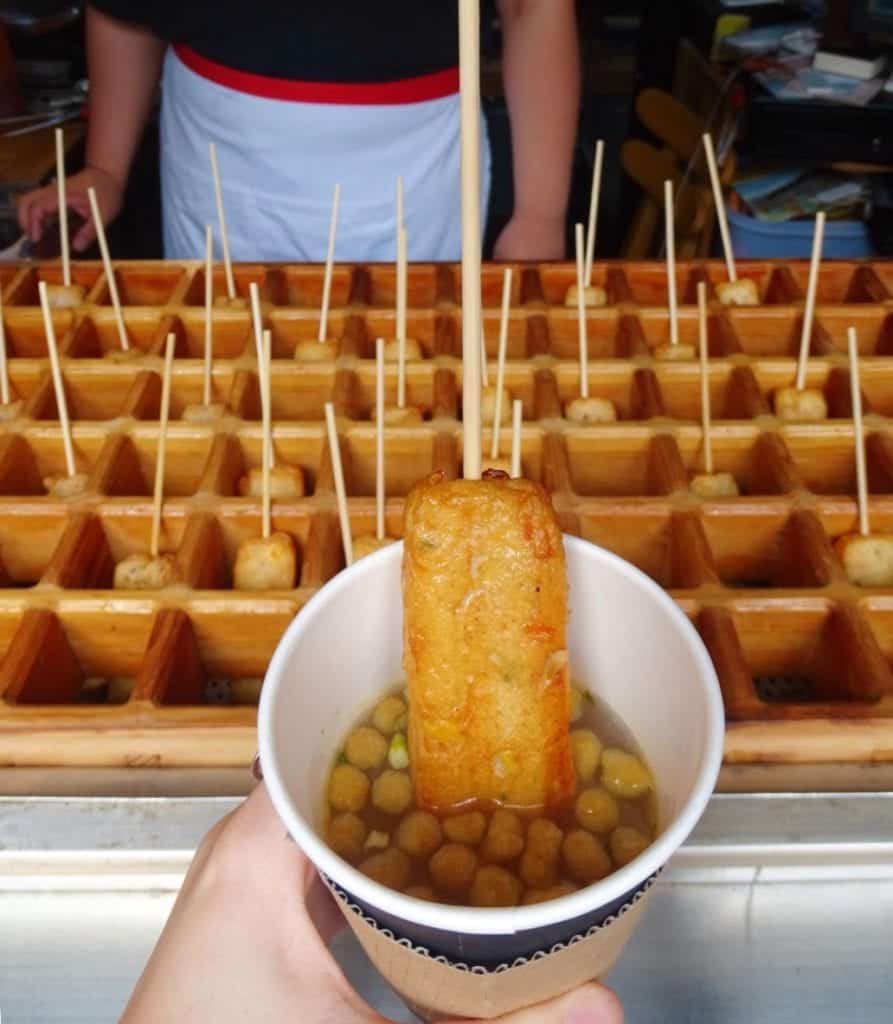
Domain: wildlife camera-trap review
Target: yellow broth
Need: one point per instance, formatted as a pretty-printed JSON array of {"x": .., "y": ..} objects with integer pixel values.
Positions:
[{"x": 488, "y": 855}]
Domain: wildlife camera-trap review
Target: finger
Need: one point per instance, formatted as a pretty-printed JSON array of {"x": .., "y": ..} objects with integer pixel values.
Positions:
[
  {"x": 323, "y": 910},
  {"x": 84, "y": 237},
  {"x": 589, "y": 1004},
  {"x": 41, "y": 210}
]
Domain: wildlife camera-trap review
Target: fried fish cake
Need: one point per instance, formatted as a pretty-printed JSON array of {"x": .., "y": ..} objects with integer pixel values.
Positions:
[{"x": 485, "y": 644}]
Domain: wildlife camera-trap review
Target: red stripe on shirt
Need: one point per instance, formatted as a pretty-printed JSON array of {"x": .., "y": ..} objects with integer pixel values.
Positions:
[{"x": 402, "y": 90}]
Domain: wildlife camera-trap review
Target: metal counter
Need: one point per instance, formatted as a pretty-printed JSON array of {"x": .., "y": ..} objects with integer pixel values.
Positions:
[{"x": 779, "y": 908}]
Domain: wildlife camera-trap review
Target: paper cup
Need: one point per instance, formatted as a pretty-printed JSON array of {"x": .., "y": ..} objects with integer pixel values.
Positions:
[{"x": 629, "y": 644}]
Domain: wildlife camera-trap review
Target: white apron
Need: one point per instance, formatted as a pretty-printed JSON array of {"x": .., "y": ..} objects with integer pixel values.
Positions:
[{"x": 279, "y": 161}]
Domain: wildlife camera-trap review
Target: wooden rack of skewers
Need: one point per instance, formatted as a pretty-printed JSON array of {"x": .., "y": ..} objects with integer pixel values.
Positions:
[{"x": 188, "y": 451}]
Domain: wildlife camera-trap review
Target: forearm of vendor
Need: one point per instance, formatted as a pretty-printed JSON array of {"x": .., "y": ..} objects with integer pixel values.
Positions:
[
  {"x": 124, "y": 62},
  {"x": 542, "y": 87}
]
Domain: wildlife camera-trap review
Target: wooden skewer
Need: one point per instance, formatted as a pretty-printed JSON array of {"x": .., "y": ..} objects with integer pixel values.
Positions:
[
  {"x": 330, "y": 265},
  {"x": 267, "y": 450},
  {"x": 5, "y": 393},
  {"x": 581, "y": 315},
  {"x": 63, "y": 208},
  {"x": 401, "y": 316},
  {"x": 400, "y": 222},
  {"x": 158, "y": 491},
  {"x": 671, "y": 263},
  {"x": 721, "y": 218},
  {"x": 517, "y": 417},
  {"x": 209, "y": 318},
  {"x": 224, "y": 238},
  {"x": 257, "y": 319},
  {"x": 593, "y": 209},
  {"x": 470, "y": 111},
  {"x": 859, "y": 432},
  {"x": 109, "y": 269},
  {"x": 705, "y": 377},
  {"x": 809, "y": 309},
  {"x": 58, "y": 383},
  {"x": 379, "y": 439},
  {"x": 340, "y": 490},
  {"x": 500, "y": 359},
  {"x": 485, "y": 374}
]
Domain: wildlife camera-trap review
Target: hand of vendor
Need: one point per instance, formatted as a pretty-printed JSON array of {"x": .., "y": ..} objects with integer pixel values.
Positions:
[
  {"x": 38, "y": 208},
  {"x": 246, "y": 940}
]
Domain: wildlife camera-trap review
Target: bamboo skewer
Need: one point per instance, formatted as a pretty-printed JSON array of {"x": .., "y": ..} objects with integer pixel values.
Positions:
[
  {"x": 485, "y": 374},
  {"x": 401, "y": 316},
  {"x": 224, "y": 238},
  {"x": 267, "y": 449},
  {"x": 581, "y": 315},
  {"x": 158, "y": 490},
  {"x": 670, "y": 233},
  {"x": 858, "y": 432},
  {"x": 379, "y": 440},
  {"x": 58, "y": 383},
  {"x": 257, "y": 320},
  {"x": 340, "y": 490},
  {"x": 809, "y": 309},
  {"x": 109, "y": 269},
  {"x": 705, "y": 377},
  {"x": 721, "y": 217},
  {"x": 5, "y": 393},
  {"x": 63, "y": 208},
  {"x": 470, "y": 110},
  {"x": 593, "y": 210},
  {"x": 500, "y": 363},
  {"x": 517, "y": 417},
  {"x": 330, "y": 264},
  {"x": 209, "y": 317}
]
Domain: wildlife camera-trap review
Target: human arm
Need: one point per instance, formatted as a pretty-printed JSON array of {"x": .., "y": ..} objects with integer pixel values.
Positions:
[
  {"x": 541, "y": 73},
  {"x": 246, "y": 940},
  {"x": 124, "y": 66}
]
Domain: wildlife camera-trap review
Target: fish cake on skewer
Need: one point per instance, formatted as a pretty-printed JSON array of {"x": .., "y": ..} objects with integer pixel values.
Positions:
[{"x": 485, "y": 645}]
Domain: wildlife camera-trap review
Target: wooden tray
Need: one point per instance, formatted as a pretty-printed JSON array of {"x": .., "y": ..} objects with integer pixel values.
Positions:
[{"x": 803, "y": 656}]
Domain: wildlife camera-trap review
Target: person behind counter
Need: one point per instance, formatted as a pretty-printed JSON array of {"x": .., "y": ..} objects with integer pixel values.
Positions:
[
  {"x": 246, "y": 941},
  {"x": 299, "y": 96}
]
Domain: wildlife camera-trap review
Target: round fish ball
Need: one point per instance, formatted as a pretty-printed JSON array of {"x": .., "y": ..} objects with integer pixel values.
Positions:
[
  {"x": 495, "y": 887},
  {"x": 391, "y": 867},
  {"x": 408, "y": 416},
  {"x": 544, "y": 836},
  {"x": 868, "y": 561},
  {"x": 453, "y": 868},
  {"x": 488, "y": 406},
  {"x": 198, "y": 413},
  {"x": 316, "y": 351},
  {"x": 626, "y": 843},
  {"x": 539, "y": 862},
  {"x": 554, "y": 892},
  {"x": 468, "y": 827},
  {"x": 366, "y": 748},
  {"x": 585, "y": 857},
  {"x": 586, "y": 748},
  {"x": 505, "y": 837},
  {"x": 419, "y": 834},
  {"x": 65, "y": 296},
  {"x": 624, "y": 774},
  {"x": 65, "y": 486},
  {"x": 367, "y": 544},
  {"x": 392, "y": 350},
  {"x": 800, "y": 406},
  {"x": 348, "y": 788},
  {"x": 596, "y": 810},
  {"x": 421, "y": 892},
  {"x": 591, "y": 410},
  {"x": 670, "y": 353},
  {"x": 392, "y": 792},
  {"x": 346, "y": 835},
  {"x": 714, "y": 485},
  {"x": 738, "y": 293},
  {"x": 389, "y": 715},
  {"x": 592, "y": 296}
]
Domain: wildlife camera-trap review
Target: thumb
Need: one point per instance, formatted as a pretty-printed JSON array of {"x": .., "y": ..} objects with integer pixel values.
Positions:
[{"x": 589, "y": 1004}]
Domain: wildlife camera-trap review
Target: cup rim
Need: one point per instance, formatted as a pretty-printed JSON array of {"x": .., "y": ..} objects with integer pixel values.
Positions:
[{"x": 508, "y": 920}]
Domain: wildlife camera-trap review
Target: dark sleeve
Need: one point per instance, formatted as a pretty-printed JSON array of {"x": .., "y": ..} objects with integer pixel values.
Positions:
[{"x": 140, "y": 12}]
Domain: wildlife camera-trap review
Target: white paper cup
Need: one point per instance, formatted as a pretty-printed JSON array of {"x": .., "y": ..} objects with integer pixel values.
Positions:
[{"x": 630, "y": 644}]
